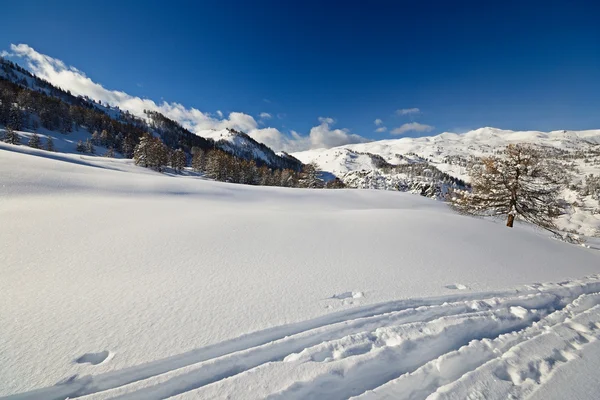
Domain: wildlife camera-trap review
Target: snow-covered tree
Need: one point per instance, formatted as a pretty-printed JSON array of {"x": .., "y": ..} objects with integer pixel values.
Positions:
[
  {"x": 150, "y": 152},
  {"x": 34, "y": 141},
  {"x": 141, "y": 153},
  {"x": 80, "y": 147},
  {"x": 89, "y": 147},
  {"x": 311, "y": 177},
  {"x": 96, "y": 138},
  {"x": 10, "y": 136},
  {"x": 519, "y": 184},
  {"x": 110, "y": 153}
]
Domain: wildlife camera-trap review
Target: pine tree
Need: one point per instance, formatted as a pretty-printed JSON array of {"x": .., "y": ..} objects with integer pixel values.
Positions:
[
  {"x": 141, "y": 153},
  {"x": 10, "y": 136},
  {"x": 178, "y": 160},
  {"x": 16, "y": 118},
  {"x": 198, "y": 159},
  {"x": 50, "y": 144},
  {"x": 128, "y": 146},
  {"x": 110, "y": 153},
  {"x": 34, "y": 141},
  {"x": 96, "y": 138},
  {"x": 89, "y": 147},
  {"x": 520, "y": 184},
  {"x": 106, "y": 139},
  {"x": 80, "y": 147},
  {"x": 159, "y": 156}
]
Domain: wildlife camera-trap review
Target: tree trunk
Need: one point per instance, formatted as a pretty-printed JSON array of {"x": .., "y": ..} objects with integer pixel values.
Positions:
[{"x": 511, "y": 219}]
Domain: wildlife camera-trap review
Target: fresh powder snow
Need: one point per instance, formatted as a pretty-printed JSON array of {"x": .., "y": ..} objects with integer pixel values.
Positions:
[{"x": 120, "y": 282}]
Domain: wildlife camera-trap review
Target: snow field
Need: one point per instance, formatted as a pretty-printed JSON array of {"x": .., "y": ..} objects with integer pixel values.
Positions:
[{"x": 118, "y": 282}]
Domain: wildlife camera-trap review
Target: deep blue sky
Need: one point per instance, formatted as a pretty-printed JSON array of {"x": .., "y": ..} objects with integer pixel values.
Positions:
[{"x": 512, "y": 65}]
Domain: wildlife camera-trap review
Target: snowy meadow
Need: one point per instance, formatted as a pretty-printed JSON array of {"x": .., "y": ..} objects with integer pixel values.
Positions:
[{"x": 121, "y": 282}]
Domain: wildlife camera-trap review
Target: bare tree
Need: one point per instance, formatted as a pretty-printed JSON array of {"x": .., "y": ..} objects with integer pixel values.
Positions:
[{"x": 520, "y": 184}]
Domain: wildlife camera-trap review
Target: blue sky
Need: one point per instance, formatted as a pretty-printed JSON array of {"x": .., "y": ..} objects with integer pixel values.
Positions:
[{"x": 463, "y": 65}]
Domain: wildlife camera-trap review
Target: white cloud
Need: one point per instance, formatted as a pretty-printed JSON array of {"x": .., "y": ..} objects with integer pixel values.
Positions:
[
  {"x": 410, "y": 127},
  {"x": 69, "y": 78},
  {"x": 323, "y": 136},
  {"x": 378, "y": 122},
  {"x": 320, "y": 136},
  {"x": 407, "y": 111},
  {"x": 381, "y": 129},
  {"x": 265, "y": 115},
  {"x": 5, "y": 54}
]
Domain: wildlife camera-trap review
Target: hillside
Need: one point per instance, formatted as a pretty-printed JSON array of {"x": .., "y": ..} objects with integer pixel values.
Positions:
[
  {"x": 121, "y": 282},
  {"x": 434, "y": 160},
  {"x": 31, "y": 104}
]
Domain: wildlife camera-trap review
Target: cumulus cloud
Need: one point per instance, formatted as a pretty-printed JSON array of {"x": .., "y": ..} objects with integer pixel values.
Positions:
[
  {"x": 408, "y": 111},
  {"x": 411, "y": 127},
  {"x": 70, "y": 78},
  {"x": 378, "y": 122},
  {"x": 320, "y": 136}
]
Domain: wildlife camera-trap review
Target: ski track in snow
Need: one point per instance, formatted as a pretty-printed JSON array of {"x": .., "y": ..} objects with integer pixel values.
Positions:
[{"x": 481, "y": 345}]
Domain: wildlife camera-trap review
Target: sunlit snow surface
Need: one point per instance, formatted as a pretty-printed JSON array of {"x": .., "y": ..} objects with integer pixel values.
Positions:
[{"x": 119, "y": 282}]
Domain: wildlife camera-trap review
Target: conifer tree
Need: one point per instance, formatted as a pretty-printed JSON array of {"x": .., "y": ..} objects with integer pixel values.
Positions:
[
  {"x": 198, "y": 159},
  {"x": 89, "y": 147},
  {"x": 520, "y": 184},
  {"x": 106, "y": 138},
  {"x": 96, "y": 138},
  {"x": 178, "y": 160},
  {"x": 34, "y": 141},
  {"x": 50, "y": 144},
  {"x": 80, "y": 147},
  {"x": 141, "y": 153},
  {"x": 110, "y": 153},
  {"x": 10, "y": 136}
]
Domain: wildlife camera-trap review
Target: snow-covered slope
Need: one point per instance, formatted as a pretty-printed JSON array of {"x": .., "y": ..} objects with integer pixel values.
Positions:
[
  {"x": 120, "y": 282},
  {"x": 242, "y": 145},
  {"x": 449, "y": 153}
]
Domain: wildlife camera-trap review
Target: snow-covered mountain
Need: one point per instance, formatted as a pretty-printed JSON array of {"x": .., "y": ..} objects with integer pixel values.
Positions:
[
  {"x": 172, "y": 133},
  {"x": 243, "y": 146},
  {"x": 428, "y": 165}
]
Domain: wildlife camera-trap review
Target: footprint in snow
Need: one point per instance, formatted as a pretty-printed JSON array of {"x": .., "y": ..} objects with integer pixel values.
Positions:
[
  {"x": 93, "y": 358},
  {"x": 456, "y": 286},
  {"x": 348, "y": 295}
]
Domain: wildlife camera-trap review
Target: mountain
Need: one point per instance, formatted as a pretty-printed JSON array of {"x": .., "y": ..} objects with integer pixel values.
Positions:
[
  {"x": 28, "y": 102},
  {"x": 429, "y": 165},
  {"x": 243, "y": 146}
]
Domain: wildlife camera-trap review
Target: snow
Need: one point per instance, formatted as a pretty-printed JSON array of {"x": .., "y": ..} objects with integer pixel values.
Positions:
[
  {"x": 120, "y": 282},
  {"x": 449, "y": 153}
]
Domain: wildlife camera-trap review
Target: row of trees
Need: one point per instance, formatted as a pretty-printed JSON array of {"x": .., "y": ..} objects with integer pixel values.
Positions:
[
  {"x": 217, "y": 164},
  {"x": 35, "y": 141}
]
